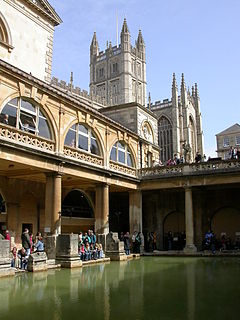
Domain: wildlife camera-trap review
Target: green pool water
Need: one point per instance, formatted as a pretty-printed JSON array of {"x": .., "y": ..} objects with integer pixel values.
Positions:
[{"x": 147, "y": 288}]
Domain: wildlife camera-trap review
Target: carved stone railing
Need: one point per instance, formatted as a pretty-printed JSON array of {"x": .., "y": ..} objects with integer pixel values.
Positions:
[
  {"x": 83, "y": 156},
  {"x": 122, "y": 169},
  {"x": 208, "y": 167},
  {"x": 8, "y": 133}
]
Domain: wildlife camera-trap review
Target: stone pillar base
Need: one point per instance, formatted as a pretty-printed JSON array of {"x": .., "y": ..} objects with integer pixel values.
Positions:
[
  {"x": 67, "y": 251},
  {"x": 117, "y": 256},
  {"x": 50, "y": 246},
  {"x": 8, "y": 272},
  {"x": 69, "y": 262},
  {"x": 190, "y": 248},
  {"x": 37, "y": 262}
]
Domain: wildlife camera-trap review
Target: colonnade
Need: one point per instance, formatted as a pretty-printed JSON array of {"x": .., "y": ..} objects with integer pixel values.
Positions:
[{"x": 53, "y": 210}]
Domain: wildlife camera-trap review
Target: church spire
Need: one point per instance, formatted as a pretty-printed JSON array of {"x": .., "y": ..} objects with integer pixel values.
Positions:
[
  {"x": 196, "y": 91},
  {"x": 125, "y": 27},
  {"x": 94, "y": 48},
  {"x": 140, "y": 41},
  {"x": 174, "y": 83},
  {"x": 183, "y": 85},
  {"x": 125, "y": 37}
]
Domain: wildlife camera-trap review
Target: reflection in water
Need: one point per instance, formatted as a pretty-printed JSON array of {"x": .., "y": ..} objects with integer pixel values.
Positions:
[{"x": 149, "y": 288}]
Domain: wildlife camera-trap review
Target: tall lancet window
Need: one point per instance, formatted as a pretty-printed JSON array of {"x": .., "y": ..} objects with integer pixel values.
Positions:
[{"x": 165, "y": 139}]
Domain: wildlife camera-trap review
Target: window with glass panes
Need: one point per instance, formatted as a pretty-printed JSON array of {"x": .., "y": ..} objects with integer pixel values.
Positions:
[
  {"x": 237, "y": 140},
  {"x": 82, "y": 137},
  {"x": 165, "y": 139},
  {"x": 226, "y": 142},
  {"x": 22, "y": 114},
  {"x": 122, "y": 154}
]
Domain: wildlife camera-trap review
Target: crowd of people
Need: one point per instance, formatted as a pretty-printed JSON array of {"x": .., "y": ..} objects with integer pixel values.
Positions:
[
  {"x": 131, "y": 243},
  {"x": 211, "y": 243},
  {"x": 29, "y": 245},
  {"x": 88, "y": 248}
]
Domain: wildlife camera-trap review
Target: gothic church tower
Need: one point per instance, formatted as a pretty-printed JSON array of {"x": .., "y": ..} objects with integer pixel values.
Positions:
[{"x": 118, "y": 74}]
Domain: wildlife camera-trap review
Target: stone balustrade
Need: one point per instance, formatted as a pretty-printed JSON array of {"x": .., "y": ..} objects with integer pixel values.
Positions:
[
  {"x": 26, "y": 138},
  {"x": 83, "y": 156},
  {"x": 208, "y": 167}
]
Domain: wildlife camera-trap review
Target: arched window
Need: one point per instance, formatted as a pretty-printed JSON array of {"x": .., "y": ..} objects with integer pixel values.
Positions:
[
  {"x": 82, "y": 137},
  {"x": 121, "y": 153},
  {"x": 192, "y": 137},
  {"x": 5, "y": 36},
  {"x": 25, "y": 115},
  {"x": 165, "y": 139}
]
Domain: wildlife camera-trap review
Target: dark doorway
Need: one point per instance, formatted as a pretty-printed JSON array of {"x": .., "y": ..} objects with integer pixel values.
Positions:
[
  {"x": 77, "y": 205},
  {"x": 119, "y": 212}
]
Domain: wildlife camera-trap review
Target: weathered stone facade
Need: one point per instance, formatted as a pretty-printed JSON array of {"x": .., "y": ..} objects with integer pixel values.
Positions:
[{"x": 22, "y": 20}]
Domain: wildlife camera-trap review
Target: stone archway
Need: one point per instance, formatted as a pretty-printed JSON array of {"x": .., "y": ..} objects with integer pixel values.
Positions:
[
  {"x": 226, "y": 220},
  {"x": 77, "y": 212},
  {"x": 174, "y": 222}
]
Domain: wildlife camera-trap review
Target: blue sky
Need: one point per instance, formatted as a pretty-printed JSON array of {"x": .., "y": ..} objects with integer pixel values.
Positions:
[{"x": 198, "y": 38}]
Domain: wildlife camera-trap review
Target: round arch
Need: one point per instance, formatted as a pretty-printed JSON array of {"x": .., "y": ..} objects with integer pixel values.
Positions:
[
  {"x": 77, "y": 204},
  {"x": 42, "y": 109},
  {"x": 148, "y": 135},
  {"x": 226, "y": 220},
  {"x": 175, "y": 222},
  {"x": 129, "y": 146},
  {"x": 95, "y": 131},
  {"x": 5, "y": 32}
]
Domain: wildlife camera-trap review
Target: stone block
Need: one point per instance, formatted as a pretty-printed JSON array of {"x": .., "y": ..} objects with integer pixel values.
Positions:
[
  {"x": 37, "y": 262},
  {"x": 5, "y": 260},
  {"x": 115, "y": 247},
  {"x": 50, "y": 246},
  {"x": 67, "y": 251}
]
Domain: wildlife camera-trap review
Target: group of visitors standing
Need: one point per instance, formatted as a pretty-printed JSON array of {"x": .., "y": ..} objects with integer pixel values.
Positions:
[
  {"x": 131, "y": 243},
  {"x": 88, "y": 248},
  {"x": 29, "y": 245}
]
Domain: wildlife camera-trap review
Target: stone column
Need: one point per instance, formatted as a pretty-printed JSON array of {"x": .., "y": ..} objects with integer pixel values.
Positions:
[
  {"x": 135, "y": 211},
  {"x": 53, "y": 203},
  {"x": 135, "y": 214},
  {"x": 57, "y": 204},
  {"x": 190, "y": 247},
  {"x": 102, "y": 209}
]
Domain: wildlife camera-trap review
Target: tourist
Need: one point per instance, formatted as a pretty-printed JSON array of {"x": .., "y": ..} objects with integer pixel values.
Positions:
[
  {"x": 223, "y": 242},
  {"x": 138, "y": 242},
  {"x": 7, "y": 235},
  {"x": 93, "y": 238},
  {"x": 99, "y": 250},
  {"x": 80, "y": 237},
  {"x": 39, "y": 246},
  {"x": 15, "y": 262},
  {"x": 170, "y": 240},
  {"x": 87, "y": 252},
  {"x": 31, "y": 241},
  {"x": 26, "y": 243},
  {"x": 81, "y": 252},
  {"x": 154, "y": 241},
  {"x": 134, "y": 242},
  {"x": 126, "y": 240},
  {"x": 93, "y": 251},
  {"x": 5, "y": 119},
  {"x": 23, "y": 256},
  {"x": 121, "y": 236},
  {"x": 198, "y": 157}
]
